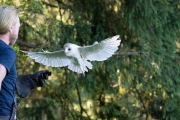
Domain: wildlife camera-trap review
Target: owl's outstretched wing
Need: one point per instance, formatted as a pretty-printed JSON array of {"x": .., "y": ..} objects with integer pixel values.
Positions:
[
  {"x": 53, "y": 59},
  {"x": 100, "y": 51}
]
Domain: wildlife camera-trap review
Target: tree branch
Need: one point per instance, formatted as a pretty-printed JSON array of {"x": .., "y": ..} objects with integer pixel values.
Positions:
[
  {"x": 80, "y": 102},
  {"x": 131, "y": 53},
  {"x": 26, "y": 44}
]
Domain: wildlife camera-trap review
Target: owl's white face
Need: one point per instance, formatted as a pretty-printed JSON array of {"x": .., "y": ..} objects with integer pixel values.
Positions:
[
  {"x": 67, "y": 49},
  {"x": 71, "y": 49}
]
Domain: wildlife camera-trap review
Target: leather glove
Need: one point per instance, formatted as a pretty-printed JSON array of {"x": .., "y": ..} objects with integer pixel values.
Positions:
[
  {"x": 26, "y": 83},
  {"x": 40, "y": 77}
]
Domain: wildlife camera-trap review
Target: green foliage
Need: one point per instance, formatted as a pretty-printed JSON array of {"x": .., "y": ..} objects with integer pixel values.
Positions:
[{"x": 144, "y": 86}]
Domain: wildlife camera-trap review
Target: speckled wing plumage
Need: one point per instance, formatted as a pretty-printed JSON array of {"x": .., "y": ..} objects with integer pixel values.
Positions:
[
  {"x": 100, "y": 51},
  {"x": 53, "y": 59}
]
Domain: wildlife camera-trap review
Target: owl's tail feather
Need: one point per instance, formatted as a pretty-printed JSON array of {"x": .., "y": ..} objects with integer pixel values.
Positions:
[
  {"x": 81, "y": 67},
  {"x": 87, "y": 64}
]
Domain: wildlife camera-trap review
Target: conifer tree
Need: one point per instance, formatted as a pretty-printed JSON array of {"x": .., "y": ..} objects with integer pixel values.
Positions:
[{"x": 141, "y": 81}]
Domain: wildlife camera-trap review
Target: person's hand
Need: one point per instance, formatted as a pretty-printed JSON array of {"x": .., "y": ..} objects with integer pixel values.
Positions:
[
  {"x": 40, "y": 77},
  {"x": 26, "y": 83}
]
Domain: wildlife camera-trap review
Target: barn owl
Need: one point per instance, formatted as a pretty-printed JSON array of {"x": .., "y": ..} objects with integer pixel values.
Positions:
[{"x": 77, "y": 57}]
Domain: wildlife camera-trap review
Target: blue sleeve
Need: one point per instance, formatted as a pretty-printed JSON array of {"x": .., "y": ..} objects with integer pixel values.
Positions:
[{"x": 7, "y": 58}]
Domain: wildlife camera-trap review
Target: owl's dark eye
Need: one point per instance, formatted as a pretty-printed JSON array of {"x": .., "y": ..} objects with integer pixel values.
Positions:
[{"x": 69, "y": 49}]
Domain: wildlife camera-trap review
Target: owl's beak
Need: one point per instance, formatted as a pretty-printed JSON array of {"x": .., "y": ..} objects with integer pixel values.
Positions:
[{"x": 66, "y": 51}]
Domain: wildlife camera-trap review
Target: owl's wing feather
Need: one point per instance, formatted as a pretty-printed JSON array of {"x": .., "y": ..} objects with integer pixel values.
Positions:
[
  {"x": 100, "y": 51},
  {"x": 53, "y": 59}
]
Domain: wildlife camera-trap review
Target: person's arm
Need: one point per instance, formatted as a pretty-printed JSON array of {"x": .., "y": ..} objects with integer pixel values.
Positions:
[{"x": 2, "y": 74}]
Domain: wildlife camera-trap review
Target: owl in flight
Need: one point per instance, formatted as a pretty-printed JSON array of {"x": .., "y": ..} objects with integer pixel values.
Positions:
[{"x": 76, "y": 57}]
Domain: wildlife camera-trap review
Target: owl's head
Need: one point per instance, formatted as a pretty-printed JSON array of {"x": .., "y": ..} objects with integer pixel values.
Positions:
[{"x": 70, "y": 49}]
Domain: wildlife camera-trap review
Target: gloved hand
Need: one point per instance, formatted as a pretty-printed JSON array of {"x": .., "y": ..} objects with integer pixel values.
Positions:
[
  {"x": 40, "y": 77},
  {"x": 24, "y": 84}
]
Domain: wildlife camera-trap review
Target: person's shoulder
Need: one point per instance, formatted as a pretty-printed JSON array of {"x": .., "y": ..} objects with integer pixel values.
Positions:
[
  {"x": 7, "y": 50},
  {"x": 4, "y": 46}
]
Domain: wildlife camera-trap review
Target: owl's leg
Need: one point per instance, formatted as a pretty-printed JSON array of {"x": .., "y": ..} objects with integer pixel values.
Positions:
[
  {"x": 81, "y": 76},
  {"x": 83, "y": 72},
  {"x": 82, "y": 67},
  {"x": 84, "y": 77}
]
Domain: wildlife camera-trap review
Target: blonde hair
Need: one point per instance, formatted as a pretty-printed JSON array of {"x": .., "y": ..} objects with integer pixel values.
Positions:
[{"x": 8, "y": 16}]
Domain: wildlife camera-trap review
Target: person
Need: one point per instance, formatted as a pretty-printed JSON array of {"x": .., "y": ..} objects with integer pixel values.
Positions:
[{"x": 9, "y": 81}]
